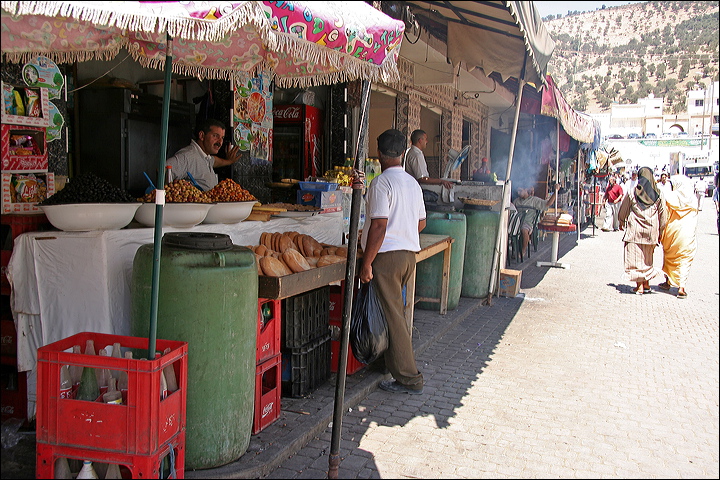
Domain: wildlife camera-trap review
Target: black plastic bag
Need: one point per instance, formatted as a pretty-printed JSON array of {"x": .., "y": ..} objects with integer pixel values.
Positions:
[{"x": 368, "y": 327}]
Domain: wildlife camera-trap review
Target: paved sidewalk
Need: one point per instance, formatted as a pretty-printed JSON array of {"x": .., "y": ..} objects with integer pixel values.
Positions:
[
  {"x": 579, "y": 378},
  {"x": 576, "y": 377}
]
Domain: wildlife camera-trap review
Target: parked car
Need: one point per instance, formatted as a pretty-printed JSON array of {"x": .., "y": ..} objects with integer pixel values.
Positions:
[
  {"x": 650, "y": 135},
  {"x": 683, "y": 134},
  {"x": 633, "y": 135},
  {"x": 616, "y": 137},
  {"x": 666, "y": 135}
]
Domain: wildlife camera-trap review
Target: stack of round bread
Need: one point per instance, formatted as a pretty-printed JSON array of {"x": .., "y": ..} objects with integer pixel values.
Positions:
[{"x": 280, "y": 254}]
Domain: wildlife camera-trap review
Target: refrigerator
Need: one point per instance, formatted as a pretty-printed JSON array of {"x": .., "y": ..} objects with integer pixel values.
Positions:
[{"x": 297, "y": 142}]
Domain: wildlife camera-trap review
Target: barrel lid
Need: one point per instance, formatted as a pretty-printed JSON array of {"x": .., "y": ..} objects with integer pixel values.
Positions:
[
  {"x": 434, "y": 207},
  {"x": 198, "y": 240}
]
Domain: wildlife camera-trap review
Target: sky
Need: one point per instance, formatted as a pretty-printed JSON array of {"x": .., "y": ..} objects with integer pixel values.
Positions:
[{"x": 554, "y": 8}]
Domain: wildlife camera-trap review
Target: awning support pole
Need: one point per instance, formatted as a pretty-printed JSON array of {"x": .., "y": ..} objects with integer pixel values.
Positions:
[
  {"x": 503, "y": 202},
  {"x": 357, "y": 188},
  {"x": 157, "y": 242}
]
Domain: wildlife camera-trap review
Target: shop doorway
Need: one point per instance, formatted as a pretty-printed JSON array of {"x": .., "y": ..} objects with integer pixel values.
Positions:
[
  {"x": 431, "y": 123},
  {"x": 382, "y": 116}
]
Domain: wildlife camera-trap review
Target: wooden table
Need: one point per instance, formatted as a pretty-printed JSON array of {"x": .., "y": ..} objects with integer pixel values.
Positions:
[
  {"x": 430, "y": 245},
  {"x": 555, "y": 229}
]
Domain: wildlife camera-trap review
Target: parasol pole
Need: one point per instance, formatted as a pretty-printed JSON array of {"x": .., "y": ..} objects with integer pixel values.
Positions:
[
  {"x": 357, "y": 188},
  {"x": 557, "y": 160},
  {"x": 503, "y": 202},
  {"x": 160, "y": 201}
]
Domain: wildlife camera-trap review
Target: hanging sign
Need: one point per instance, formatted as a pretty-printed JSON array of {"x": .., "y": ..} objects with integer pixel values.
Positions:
[{"x": 43, "y": 72}]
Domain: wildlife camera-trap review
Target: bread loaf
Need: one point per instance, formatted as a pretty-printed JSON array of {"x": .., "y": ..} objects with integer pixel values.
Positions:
[
  {"x": 260, "y": 250},
  {"x": 312, "y": 261},
  {"x": 341, "y": 252},
  {"x": 284, "y": 243},
  {"x": 295, "y": 261},
  {"x": 329, "y": 260},
  {"x": 273, "y": 267}
]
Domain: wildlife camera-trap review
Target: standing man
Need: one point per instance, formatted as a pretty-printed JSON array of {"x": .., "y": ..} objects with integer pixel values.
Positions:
[
  {"x": 629, "y": 186},
  {"x": 201, "y": 156},
  {"x": 664, "y": 184},
  {"x": 613, "y": 197},
  {"x": 396, "y": 212},
  {"x": 700, "y": 190},
  {"x": 415, "y": 163}
]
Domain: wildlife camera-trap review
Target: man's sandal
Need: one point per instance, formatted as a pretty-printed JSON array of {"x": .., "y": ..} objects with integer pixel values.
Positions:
[{"x": 664, "y": 286}]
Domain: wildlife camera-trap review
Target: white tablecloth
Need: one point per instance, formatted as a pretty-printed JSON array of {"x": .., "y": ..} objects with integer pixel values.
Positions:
[{"x": 65, "y": 283}]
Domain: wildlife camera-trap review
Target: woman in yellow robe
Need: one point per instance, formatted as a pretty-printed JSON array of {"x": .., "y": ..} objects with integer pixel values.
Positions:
[{"x": 679, "y": 239}]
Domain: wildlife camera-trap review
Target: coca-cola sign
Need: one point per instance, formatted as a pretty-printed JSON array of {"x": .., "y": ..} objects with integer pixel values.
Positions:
[{"x": 287, "y": 112}]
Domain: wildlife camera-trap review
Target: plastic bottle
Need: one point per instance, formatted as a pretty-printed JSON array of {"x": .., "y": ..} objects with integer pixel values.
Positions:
[
  {"x": 168, "y": 174},
  {"x": 113, "y": 395},
  {"x": 65, "y": 382},
  {"x": 169, "y": 372},
  {"x": 62, "y": 468},
  {"x": 87, "y": 470},
  {"x": 116, "y": 354},
  {"x": 76, "y": 370},
  {"x": 88, "y": 389},
  {"x": 163, "y": 386}
]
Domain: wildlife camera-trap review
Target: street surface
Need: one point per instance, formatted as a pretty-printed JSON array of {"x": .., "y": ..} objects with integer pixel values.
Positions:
[{"x": 577, "y": 377}]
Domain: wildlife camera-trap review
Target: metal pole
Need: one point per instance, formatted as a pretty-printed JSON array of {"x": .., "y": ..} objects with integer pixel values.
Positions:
[
  {"x": 503, "y": 203},
  {"x": 159, "y": 203},
  {"x": 358, "y": 184}
]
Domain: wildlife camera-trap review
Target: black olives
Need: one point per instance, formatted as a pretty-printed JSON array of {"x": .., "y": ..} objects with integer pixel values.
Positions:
[{"x": 89, "y": 188}]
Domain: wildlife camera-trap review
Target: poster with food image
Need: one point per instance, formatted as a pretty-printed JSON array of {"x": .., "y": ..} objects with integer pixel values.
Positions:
[
  {"x": 259, "y": 146},
  {"x": 252, "y": 100},
  {"x": 43, "y": 72},
  {"x": 242, "y": 136}
]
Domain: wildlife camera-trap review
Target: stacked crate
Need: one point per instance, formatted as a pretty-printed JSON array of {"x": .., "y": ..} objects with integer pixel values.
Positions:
[
  {"x": 305, "y": 342},
  {"x": 267, "y": 371},
  {"x": 336, "y": 317},
  {"x": 138, "y": 434}
]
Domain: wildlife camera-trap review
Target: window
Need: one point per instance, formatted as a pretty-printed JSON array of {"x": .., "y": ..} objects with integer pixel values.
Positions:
[{"x": 699, "y": 102}]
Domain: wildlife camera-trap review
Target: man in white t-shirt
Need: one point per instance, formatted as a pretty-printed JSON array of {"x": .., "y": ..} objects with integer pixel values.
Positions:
[
  {"x": 700, "y": 191},
  {"x": 396, "y": 215}
]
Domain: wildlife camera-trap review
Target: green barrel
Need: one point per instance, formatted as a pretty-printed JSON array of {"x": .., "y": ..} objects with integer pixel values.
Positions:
[
  {"x": 429, "y": 271},
  {"x": 482, "y": 228},
  {"x": 208, "y": 293}
]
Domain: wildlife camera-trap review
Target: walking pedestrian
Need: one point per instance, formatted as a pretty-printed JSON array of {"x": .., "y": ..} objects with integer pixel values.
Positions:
[
  {"x": 643, "y": 217},
  {"x": 700, "y": 190},
  {"x": 716, "y": 201},
  {"x": 679, "y": 239},
  {"x": 396, "y": 212},
  {"x": 613, "y": 197}
]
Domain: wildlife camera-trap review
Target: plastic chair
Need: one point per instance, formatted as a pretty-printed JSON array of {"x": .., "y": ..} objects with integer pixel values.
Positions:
[
  {"x": 515, "y": 221},
  {"x": 534, "y": 233}
]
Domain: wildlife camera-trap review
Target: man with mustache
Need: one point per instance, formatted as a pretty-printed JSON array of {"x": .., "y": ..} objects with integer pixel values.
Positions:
[{"x": 201, "y": 156}]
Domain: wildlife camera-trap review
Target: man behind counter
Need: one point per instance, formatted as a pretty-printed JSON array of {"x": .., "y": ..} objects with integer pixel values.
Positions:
[
  {"x": 201, "y": 156},
  {"x": 415, "y": 163}
]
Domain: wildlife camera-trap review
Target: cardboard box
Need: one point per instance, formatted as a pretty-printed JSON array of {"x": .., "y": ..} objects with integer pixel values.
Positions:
[
  {"x": 509, "y": 282},
  {"x": 28, "y": 161},
  {"x": 8, "y": 192},
  {"x": 42, "y": 121},
  {"x": 323, "y": 200}
]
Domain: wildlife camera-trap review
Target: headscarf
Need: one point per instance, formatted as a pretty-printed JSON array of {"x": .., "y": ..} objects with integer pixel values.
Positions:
[
  {"x": 682, "y": 197},
  {"x": 646, "y": 191}
]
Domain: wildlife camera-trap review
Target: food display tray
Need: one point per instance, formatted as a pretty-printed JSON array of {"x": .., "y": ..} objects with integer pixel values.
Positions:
[{"x": 297, "y": 283}]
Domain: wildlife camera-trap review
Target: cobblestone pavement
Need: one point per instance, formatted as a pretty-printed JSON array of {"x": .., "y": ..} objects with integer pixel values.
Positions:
[{"x": 576, "y": 378}]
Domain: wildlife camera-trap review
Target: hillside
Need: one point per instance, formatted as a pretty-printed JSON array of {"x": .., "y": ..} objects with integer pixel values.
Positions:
[{"x": 620, "y": 54}]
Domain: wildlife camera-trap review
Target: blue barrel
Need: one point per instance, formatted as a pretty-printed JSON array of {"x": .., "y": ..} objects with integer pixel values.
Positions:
[
  {"x": 429, "y": 271},
  {"x": 208, "y": 297},
  {"x": 482, "y": 229}
]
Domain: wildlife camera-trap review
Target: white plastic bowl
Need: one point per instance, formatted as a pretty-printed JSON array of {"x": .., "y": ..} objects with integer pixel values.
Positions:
[
  {"x": 179, "y": 215},
  {"x": 229, "y": 212},
  {"x": 83, "y": 217}
]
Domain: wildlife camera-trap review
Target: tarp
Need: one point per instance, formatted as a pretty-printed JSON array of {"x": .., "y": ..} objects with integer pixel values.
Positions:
[
  {"x": 579, "y": 127},
  {"x": 489, "y": 34},
  {"x": 300, "y": 43}
]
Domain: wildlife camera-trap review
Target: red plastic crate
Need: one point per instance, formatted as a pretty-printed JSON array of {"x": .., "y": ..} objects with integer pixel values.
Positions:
[
  {"x": 268, "y": 330},
  {"x": 267, "y": 393},
  {"x": 140, "y": 427},
  {"x": 140, "y": 466},
  {"x": 353, "y": 364},
  {"x": 336, "y": 301}
]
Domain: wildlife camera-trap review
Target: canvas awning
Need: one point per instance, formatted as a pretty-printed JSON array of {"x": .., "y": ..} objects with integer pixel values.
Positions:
[
  {"x": 578, "y": 126},
  {"x": 490, "y": 35},
  {"x": 299, "y": 43}
]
